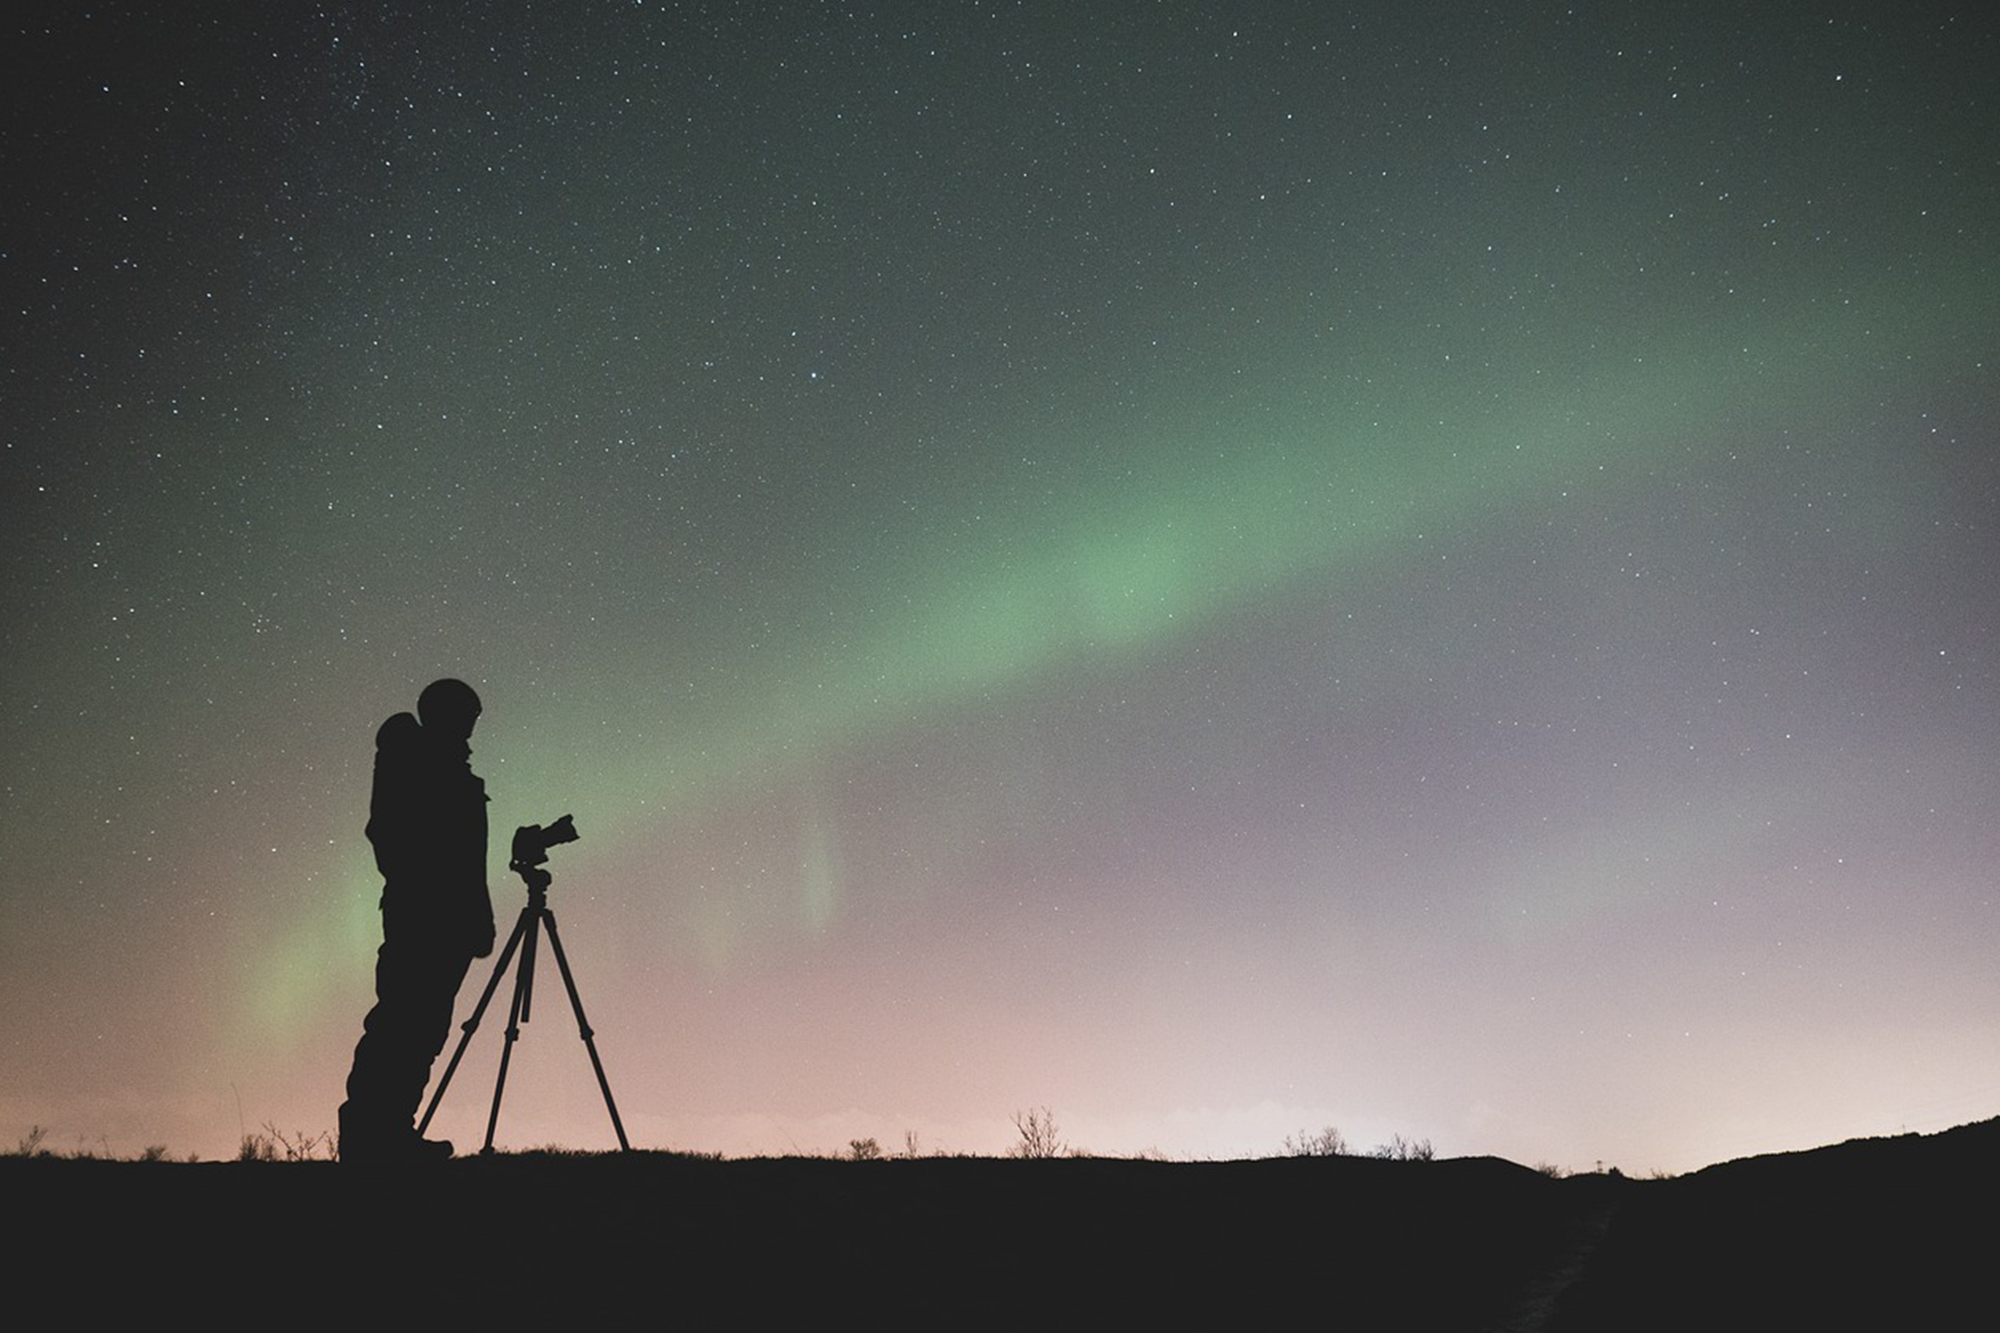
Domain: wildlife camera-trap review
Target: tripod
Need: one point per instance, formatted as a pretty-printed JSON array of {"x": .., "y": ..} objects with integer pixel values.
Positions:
[{"x": 527, "y": 931}]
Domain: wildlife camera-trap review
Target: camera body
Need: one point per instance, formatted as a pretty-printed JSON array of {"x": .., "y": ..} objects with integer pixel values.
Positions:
[{"x": 532, "y": 841}]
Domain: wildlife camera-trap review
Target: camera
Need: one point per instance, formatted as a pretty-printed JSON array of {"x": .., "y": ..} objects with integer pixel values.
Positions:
[{"x": 532, "y": 841}]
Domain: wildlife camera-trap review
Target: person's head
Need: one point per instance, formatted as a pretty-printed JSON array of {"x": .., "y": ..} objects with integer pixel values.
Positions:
[{"x": 448, "y": 708}]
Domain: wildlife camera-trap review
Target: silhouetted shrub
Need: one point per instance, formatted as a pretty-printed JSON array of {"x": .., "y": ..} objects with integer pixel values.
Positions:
[
  {"x": 1400, "y": 1149},
  {"x": 1039, "y": 1136},
  {"x": 1328, "y": 1142},
  {"x": 275, "y": 1145}
]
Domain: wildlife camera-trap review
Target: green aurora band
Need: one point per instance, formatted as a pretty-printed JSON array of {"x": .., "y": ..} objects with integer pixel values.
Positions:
[{"x": 1199, "y": 522}]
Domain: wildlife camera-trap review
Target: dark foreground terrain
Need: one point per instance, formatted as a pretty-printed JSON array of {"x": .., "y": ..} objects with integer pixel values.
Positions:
[{"x": 1884, "y": 1233}]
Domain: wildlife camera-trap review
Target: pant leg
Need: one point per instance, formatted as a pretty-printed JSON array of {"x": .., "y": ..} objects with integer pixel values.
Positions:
[{"x": 416, "y": 985}]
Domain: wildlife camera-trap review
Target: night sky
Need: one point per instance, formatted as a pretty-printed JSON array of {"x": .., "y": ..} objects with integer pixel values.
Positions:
[{"x": 1221, "y": 569}]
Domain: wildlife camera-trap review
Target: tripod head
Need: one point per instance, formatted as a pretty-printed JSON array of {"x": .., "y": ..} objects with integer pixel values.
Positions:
[{"x": 536, "y": 878}]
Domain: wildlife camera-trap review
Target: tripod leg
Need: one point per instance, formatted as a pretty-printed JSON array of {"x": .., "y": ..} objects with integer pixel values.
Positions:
[
  {"x": 528, "y": 951},
  {"x": 583, "y": 1029},
  {"x": 471, "y": 1025},
  {"x": 524, "y": 982}
]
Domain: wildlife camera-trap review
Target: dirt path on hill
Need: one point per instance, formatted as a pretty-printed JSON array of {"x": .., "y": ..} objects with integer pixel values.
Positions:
[{"x": 1544, "y": 1293}]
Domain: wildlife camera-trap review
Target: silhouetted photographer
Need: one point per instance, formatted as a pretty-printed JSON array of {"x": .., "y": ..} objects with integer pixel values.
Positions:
[{"x": 427, "y": 821}]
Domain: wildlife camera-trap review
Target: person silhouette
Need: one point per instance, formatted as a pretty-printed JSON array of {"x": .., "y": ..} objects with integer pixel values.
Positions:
[{"x": 427, "y": 823}]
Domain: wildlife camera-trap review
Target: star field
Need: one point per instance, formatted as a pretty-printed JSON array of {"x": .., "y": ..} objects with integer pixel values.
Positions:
[{"x": 1218, "y": 569}]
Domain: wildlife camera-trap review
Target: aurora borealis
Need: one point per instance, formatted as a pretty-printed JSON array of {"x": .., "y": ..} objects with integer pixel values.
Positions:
[{"x": 1219, "y": 569}]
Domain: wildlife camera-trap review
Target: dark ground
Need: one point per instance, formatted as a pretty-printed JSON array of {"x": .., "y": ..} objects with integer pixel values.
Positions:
[{"x": 1873, "y": 1234}]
